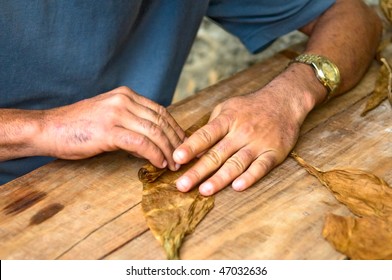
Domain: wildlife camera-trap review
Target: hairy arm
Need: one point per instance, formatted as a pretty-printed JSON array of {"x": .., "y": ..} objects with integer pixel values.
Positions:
[
  {"x": 18, "y": 129},
  {"x": 348, "y": 34},
  {"x": 269, "y": 119}
]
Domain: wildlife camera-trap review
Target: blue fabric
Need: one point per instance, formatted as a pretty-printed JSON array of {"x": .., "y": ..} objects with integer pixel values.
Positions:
[
  {"x": 54, "y": 53},
  {"x": 258, "y": 23}
]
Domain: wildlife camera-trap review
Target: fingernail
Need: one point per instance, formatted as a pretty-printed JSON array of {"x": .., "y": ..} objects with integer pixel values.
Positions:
[
  {"x": 183, "y": 184},
  {"x": 175, "y": 167},
  {"x": 179, "y": 155},
  {"x": 164, "y": 164},
  {"x": 206, "y": 188},
  {"x": 238, "y": 185}
]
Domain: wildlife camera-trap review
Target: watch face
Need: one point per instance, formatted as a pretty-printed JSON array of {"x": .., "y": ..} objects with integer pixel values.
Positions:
[{"x": 329, "y": 72}]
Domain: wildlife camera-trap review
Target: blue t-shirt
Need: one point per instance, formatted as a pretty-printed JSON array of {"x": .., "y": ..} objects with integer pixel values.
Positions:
[{"x": 54, "y": 53}]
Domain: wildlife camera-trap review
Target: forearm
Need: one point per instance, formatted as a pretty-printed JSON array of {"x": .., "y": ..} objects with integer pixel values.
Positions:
[
  {"x": 19, "y": 131},
  {"x": 348, "y": 34}
]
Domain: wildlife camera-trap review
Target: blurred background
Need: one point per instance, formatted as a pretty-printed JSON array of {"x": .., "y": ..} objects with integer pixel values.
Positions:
[{"x": 216, "y": 55}]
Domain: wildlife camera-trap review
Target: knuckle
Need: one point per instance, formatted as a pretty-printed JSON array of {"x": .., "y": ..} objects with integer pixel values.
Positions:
[
  {"x": 193, "y": 173},
  {"x": 123, "y": 140},
  {"x": 138, "y": 141},
  {"x": 223, "y": 147},
  {"x": 228, "y": 118},
  {"x": 161, "y": 110},
  {"x": 240, "y": 162},
  {"x": 161, "y": 121},
  {"x": 266, "y": 163},
  {"x": 213, "y": 157},
  {"x": 225, "y": 175},
  {"x": 236, "y": 164},
  {"x": 145, "y": 124},
  {"x": 247, "y": 155},
  {"x": 156, "y": 131},
  {"x": 247, "y": 130},
  {"x": 252, "y": 177},
  {"x": 124, "y": 89},
  {"x": 151, "y": 128},
  {"x": 218, "y": 122},
  {"x": 263, "y": 165},
  {"x": 204, "y": 135},
  {"x": 274, "y": 158},
  {"x": 118, "y": 100},
  {"x": 231, "y": 104}
]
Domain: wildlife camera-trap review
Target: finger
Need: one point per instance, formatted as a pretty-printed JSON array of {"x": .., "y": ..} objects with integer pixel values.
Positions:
[
  {"x": 154, "y": 133},
  {"x": 258, "y": 169},
  {"x": 161, "y": 111},
  {"x": 201, "y": 140},
  {"x": 208, "y": 163},
  {"x": 149, "y": 114},
  {"x": 213, "y": 115},
  {"x": 138, "y": 144},
  {"x": 148, "y": 109},
  {"x": 232, "y": 168}
]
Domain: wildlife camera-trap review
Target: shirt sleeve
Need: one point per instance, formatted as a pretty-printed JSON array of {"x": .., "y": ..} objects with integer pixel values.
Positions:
[{"x": 257, "y": 23}]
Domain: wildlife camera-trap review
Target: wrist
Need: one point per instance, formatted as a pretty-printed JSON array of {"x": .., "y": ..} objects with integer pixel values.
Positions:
[
  {"x": 306, "y": 86},
  {"x": 299, "y": 88},
  {"x": 20, "y": 130}
]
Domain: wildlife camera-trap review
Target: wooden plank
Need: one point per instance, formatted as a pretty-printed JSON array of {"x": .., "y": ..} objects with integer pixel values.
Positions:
[
  {"x": 90, "y": 209},
  {"x": 92, "y": 193}
]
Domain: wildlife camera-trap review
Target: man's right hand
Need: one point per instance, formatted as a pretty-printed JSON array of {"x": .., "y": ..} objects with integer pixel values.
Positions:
[{"x": 119, "y": 119}]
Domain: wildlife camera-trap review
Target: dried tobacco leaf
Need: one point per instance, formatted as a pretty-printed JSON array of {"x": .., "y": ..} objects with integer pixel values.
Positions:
[
  {"x": 171, "y": 214},
  {"x": 363, "y": 193},
  {"x": 389, "y": 80},
  {"x": 386, "y": 8},
  {"x": 368, "y": 236},
  {"x": 382, "y": 88},
  {"x": 381, "y": 47}
]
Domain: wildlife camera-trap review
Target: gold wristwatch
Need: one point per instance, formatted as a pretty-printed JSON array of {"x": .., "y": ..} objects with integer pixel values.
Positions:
[{"x": 326, "y": 71}]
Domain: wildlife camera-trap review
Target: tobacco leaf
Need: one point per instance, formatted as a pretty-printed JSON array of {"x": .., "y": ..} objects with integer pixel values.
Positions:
[
  {"x": 389, "y": 80},
  {"x": 386, "y": 8},
  {"x": 382, "y": 88},
  {"x": 381, "y": 47},
  {"x": 368, "y": 236},
  {"x": 169, "y": 213},
  {"x": 362, "y": 192}
]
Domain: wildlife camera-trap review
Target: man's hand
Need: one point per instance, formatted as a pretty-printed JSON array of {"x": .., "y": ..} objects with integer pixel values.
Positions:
[
  {"x": 119, "y": 119},
  {"x": 245, "y": 138}
]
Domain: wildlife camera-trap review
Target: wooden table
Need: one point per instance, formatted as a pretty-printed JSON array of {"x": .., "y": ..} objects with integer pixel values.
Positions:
[{"x": 90, "y": 209}]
